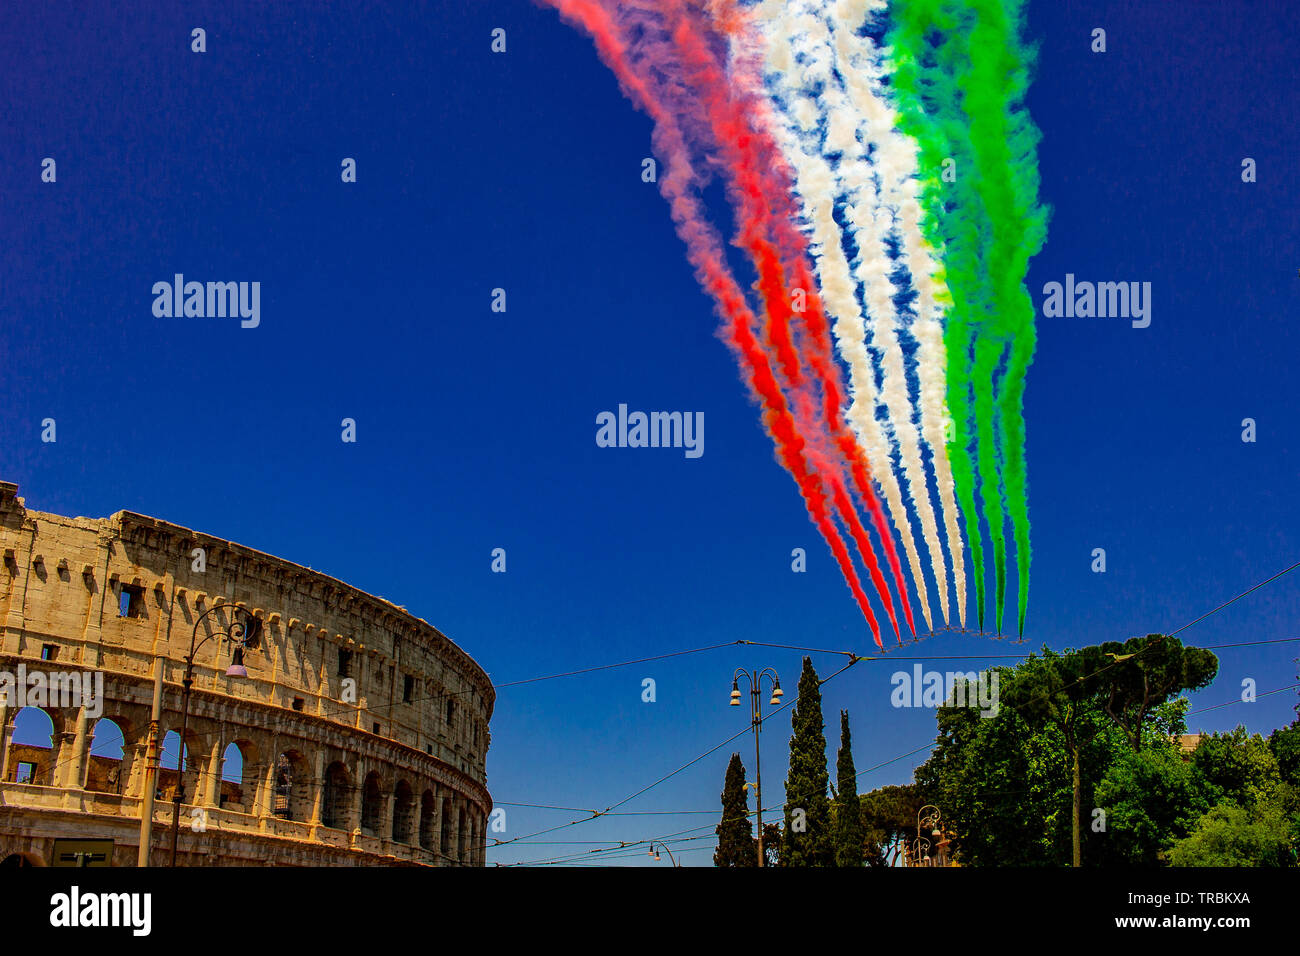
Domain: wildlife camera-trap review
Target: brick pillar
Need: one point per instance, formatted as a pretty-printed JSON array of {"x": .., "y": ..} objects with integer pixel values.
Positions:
[
  {"x": 6, "y": 733},
  {"x": 386, "y": 817},
  {"x": 92, "y": 637},
  {"x": 439, "y": 822},
  {"x": 14, "y": 622},
  {"x": 75, "y": 778},
  {"x": 212, "y": 778},
  {"x": 134, "y": 758},
  {"x": 267, "y": 788},
  {"x": 318, "y": 789},
  {"x": 358, "y": 798},
  {"x": 61, "y": 758},
  {"x": 462, "y": 835}
]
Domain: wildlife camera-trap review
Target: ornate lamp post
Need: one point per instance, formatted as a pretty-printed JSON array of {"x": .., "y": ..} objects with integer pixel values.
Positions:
[
  {"x": 920, "y": 852},
  {"x": 244, "y": 631},
  {"x": 931, "y": 820},
  {"x": 756, "y": 716}
]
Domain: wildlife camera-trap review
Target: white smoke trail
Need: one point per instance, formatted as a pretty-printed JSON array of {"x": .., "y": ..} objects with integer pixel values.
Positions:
[
  {"x": 806, "y": 94},
  {"x": 895, "y": 160},
  {"x": 807, "y": 54}
]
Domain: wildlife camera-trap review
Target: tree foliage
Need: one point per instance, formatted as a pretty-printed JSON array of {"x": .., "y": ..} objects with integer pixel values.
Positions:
[
  {"x": 736, "y": 843},
  {"x": 1232, "y": 835},
  {"x": 848, "y": 817},
  {"x": 806, "y": 839},
  {"x": 1080, "y": 762},
  {"x": 888, "y": 821}
]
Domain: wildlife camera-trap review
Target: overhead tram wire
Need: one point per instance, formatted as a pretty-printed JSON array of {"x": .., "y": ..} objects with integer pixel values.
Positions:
[
  {"x": 853, "y": 660},
  {"x": 676, "y": 836},
  {"x": 1237, "y": 598},
  {"x": 930, "y": 746}
]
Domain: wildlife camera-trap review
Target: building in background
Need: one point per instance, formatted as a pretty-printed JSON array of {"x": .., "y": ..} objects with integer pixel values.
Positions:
[{"x": 358, "y": 737}]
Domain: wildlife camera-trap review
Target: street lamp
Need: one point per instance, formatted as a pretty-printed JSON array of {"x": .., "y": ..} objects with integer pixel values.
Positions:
[
  {"x": 756, "y": 719},
  {"x": 653, "y": 853},
  {"x": 931, "y": 820},
  {"x": 920, "y": 852},
  {"x": 244, "y": 631}
]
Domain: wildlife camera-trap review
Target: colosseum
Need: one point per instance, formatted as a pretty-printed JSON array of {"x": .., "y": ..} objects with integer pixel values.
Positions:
[{"x": 358, "y": 736}]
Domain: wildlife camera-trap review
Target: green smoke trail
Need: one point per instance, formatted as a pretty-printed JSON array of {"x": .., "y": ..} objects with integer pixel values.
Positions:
[
  {"x": 1005, "y": 143},
  {"x": 960, "y": 81},
  {"x": 929, "y": 51}
]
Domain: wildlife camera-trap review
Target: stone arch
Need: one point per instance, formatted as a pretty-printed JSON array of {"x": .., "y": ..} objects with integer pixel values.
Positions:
[
  {"x": 176, "y": 761},
  {"x": 33, "y": 747},
  {"x": 462, "y": 833},
  {"x": 403, "y": 813},
  {"x": 107, "y": 765},
  {"x": 428, "y": 819},
  {"x": 239, "y": 776},
  {"x": 15, "y": 860},
  {"x": 171, "y": 752},
  {"x": 336, "y": 803},
  {"x": 372, "y": 805},
  {"x": 291, "y": 786}
]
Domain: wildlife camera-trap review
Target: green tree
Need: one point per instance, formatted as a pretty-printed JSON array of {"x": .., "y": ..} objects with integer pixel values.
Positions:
[
  {"x": 1230, "y": 835},
  {"x": 771, "y": 844},
  {"x": 1057, "y": 690},
  {"x": 889, "y": 821},
  {"x": 736, "y": 843},
  {"x": 1285, "y": 744},
  {"x": 1239, "y": 767},
  {"x": 1151, "y": 799},
  {"x": 1129, "y": 680},
  {"x": 1004, "y": 785},
  {"x": 1019, "y": 788},
  {"x": 1144, "y": 672},
  {"x": 848, "y": 815},
  {"x": 806, "y": 837}
]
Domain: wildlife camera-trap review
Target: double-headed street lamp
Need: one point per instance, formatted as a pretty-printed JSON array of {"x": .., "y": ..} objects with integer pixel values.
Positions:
[
  {"x": 652, "y": 852},
  {"x": 243, "y": 631},
  {"x": 756, "y": 716}
]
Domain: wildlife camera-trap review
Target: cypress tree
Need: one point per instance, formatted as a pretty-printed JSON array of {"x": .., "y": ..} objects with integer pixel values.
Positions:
[
  {"x": 806, "y": 839},
  {"x": 848, "y": 815},
  {"x": 736, "y": 843}
]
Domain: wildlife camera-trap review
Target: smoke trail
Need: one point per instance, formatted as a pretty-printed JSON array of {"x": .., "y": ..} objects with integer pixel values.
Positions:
[
  {"x": 816, "y": 185},
  {"x": 757, "y": 149},
  {"x": 928, "y": 98},
  {"x": 959, "y": 84},
  {"x": 761, "y": 197},
  {"x": 705, "y": 252},
  {"x": 1005, "y": 142},
  {"x": 974, "y": 82},
  {"x": 860, "y": 67}
]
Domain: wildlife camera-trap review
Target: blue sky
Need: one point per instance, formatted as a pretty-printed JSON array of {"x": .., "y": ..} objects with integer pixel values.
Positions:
[{"x": 476, "y": 429}]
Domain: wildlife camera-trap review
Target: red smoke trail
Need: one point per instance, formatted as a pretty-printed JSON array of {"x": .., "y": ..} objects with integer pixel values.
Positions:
[
  {"x": 705, "y": 253},
  {"x": 763, "y": 200}
]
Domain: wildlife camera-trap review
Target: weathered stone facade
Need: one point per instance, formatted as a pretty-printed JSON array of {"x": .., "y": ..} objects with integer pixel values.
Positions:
[{"x": 396, "y": 777}]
